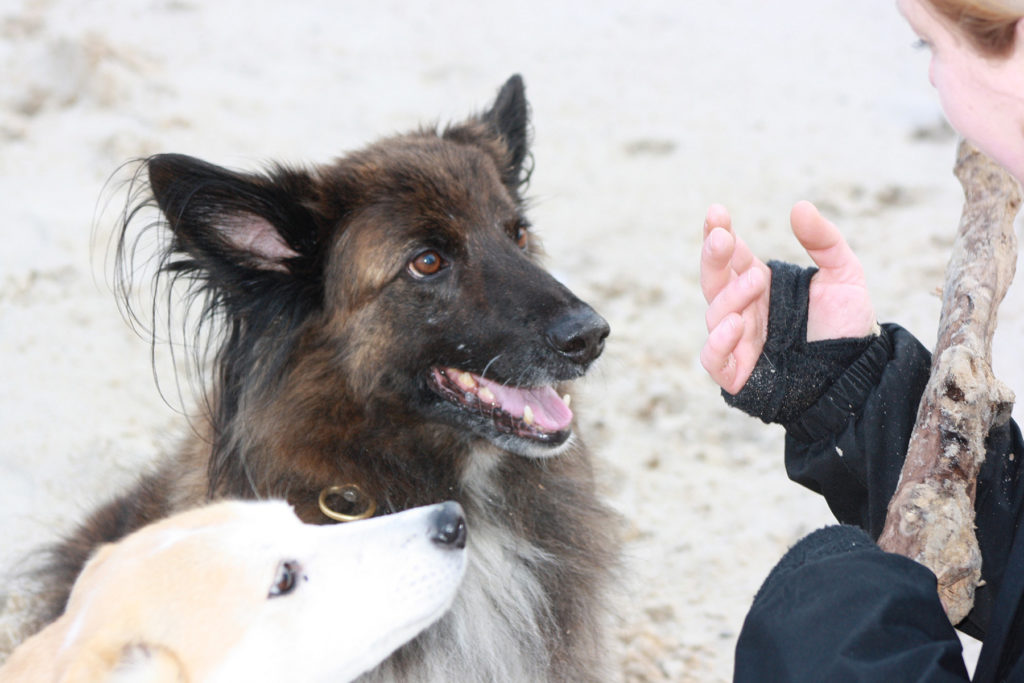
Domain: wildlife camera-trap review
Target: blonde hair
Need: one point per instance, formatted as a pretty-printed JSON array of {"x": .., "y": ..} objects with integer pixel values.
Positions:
[{"x": 990, "y": 25}]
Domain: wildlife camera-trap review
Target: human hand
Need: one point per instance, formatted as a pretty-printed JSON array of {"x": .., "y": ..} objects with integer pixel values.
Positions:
[{"x": 737, "y": 288}]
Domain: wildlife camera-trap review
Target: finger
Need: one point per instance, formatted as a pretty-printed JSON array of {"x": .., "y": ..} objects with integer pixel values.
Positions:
[
  {"x": 824, "y": 242},
  {"x": 717, "y": 216},
  {"x": 715, "y": 262},
  {"x": 717, "y": 356},
  {"x": 736, "y": 296},
  {"x": 742, "y": 257}
]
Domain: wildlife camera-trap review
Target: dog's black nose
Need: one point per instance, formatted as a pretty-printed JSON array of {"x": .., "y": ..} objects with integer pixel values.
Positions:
[
  {"x": 579, "y": 335},
  {"x": 449, "y": 526}
]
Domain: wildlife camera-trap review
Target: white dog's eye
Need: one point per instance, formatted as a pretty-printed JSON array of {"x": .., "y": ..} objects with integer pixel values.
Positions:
[{"x": 286, "y": 579}]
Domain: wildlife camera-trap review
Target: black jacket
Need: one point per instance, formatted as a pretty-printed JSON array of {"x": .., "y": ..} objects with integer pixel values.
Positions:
[{"x": 836, "y": 607}]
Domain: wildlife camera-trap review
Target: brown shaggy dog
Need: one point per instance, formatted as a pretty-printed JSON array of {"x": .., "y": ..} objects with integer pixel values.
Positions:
[{"x": 383, "y": 321}]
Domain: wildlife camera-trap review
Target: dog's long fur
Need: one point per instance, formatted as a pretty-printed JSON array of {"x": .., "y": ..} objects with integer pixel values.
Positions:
[{"x": 333, "y": 326}]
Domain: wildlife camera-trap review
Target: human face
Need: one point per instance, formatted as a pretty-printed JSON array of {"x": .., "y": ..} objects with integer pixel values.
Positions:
[{"x": 982, "y": 97}]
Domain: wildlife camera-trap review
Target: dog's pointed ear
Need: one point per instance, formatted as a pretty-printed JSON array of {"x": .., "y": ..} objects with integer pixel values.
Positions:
[
  {"x": 228, "y": 221},
  {"x": 510, "y": 119}
]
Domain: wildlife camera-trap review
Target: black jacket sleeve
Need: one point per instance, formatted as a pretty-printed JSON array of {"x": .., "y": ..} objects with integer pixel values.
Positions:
[
  {"x": 823, "y": 615},
  {"x": 848, "y": 437},
  {"x": 850, "y": 447}
]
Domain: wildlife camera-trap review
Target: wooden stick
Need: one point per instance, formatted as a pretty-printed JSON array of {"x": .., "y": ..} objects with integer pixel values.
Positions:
[{"x": 931, "y": 515}]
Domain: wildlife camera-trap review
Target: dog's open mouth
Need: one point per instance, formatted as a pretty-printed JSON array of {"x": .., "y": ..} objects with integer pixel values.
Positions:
[{"x": 535, "y": 413}]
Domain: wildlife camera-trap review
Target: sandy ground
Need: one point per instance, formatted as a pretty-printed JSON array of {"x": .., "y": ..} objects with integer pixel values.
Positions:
[{"x": 642, "y": 117}]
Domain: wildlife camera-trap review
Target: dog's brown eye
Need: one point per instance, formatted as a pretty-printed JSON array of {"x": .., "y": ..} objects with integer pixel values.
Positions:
[
  {"x": 522, "y": 236},
  {"x": 286, "y": 579},
  {"x": 427, "y": 263}
]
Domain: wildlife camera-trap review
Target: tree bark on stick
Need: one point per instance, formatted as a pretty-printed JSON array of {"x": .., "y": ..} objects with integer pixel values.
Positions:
[{"x": 931, "y": 515}]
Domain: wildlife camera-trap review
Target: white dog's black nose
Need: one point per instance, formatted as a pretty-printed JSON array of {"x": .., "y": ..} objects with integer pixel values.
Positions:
[{"x": 449, "y": 525}]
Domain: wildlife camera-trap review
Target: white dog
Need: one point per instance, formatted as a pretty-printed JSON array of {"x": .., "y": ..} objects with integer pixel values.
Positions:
[{"x": 242, "y": 591}]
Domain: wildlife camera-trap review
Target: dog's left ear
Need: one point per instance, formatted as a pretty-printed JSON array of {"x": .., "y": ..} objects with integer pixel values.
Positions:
[{"x": 510, "y": 119}]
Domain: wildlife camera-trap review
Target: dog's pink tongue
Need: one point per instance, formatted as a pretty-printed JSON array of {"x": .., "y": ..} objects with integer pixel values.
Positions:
[{"x": 549, "y": 411}]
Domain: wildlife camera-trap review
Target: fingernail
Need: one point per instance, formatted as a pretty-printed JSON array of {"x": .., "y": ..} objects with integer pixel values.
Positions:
[
  {"x": 714, "y": 240},
  {"x": 754, "y": 277}
]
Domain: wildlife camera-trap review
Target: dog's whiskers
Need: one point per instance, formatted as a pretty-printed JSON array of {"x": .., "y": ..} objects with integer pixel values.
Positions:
[{"x": 489, "y": 363}]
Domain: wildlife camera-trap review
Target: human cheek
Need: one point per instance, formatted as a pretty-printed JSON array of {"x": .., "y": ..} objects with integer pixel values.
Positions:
[
  {"x": 953, "y": 108},
  {"x": 960, "y": 108},
  {"x": 945, "y": 87}
]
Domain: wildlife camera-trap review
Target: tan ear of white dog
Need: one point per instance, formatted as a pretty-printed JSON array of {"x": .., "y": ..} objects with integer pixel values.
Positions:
[
  {"x": 137, "y": 663},
  {"x": 242, "y": 591}
]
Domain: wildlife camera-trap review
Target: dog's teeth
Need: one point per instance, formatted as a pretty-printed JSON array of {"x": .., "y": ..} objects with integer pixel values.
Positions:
[
  {"x": 567, "y": 400},
  {"x": 486, "y": 395},
  {"x": 466, "y": 381},
  {"x": 528, "y": 414}
]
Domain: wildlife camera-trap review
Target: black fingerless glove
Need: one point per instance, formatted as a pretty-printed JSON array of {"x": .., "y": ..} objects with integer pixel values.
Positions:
[{"x": 792, "y": 374}]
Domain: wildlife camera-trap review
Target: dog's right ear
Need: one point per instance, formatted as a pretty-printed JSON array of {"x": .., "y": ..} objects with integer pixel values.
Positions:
[{"x": 233, "y": 224}]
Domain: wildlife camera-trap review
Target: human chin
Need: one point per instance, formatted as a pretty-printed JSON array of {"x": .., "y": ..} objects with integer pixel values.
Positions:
[
  {"x": 1009, "y": 156},
  {"x": 1011, "y": 159},
  {"x": 1000, "y": 139}
]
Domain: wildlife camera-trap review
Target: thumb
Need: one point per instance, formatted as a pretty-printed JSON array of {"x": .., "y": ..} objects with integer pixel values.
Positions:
[{"x": 823, "y": 242}]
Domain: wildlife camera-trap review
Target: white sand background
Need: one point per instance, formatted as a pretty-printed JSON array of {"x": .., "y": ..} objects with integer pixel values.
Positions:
[{"x": 643, "y": 115}]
